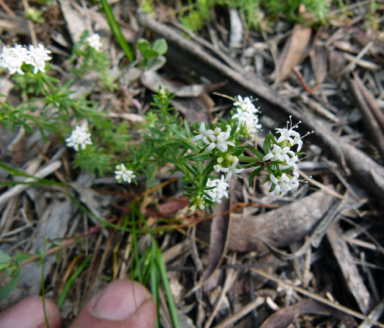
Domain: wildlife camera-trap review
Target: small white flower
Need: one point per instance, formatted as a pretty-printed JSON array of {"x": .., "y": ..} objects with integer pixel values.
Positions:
[
  {"x": 220, "y": 190},
  {"x": 13, "y": 58},
  {"x": 250, "y": 122},
  {"x": 293, "y": 137},
  {"x": 204, "y": 134},
  {"x": 218, "y": 167},
  {"x": 94, "y": 41},
  {"x": 281, "y": 184},
  {"x": 214, "y": 138},
  {"x": 292, "y": 159},
  {"x": 277, "y": 154},
  {"x": 297, "y": 141},
  {"x": 220, "y": 140},
  {"x": 285, "y": 135},
  {"x": 37, "y": 56},
  {"x": 245, "y": 105},
  {"x": 232, "y": 170},
  {"x": 293, "y": 183},
  {"x": 79, "y": 137},
  {"x": 123, "y": 174}
]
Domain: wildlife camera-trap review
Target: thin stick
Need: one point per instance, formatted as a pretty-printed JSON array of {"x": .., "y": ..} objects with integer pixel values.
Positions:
[{"x": 316, "y": 297}]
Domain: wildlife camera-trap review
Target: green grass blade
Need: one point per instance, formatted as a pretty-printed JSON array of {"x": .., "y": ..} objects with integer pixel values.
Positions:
[
  {"x": 115, "y": 28},
  {"x": 155, "y": 281},
  {"x": 167, "y": 287},
  {"x": 43, "y": 282},
  {"x": 71, "y": 281}
]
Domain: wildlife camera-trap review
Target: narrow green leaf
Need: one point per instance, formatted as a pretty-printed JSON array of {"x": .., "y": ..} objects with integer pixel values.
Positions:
[
  {"x": 191, "y": 169},
  {"x": 287, "y": 170},
  {"x": 239, "y": 150},
  {"x": 71, "y": 281},
  {"x": 39, "y": 181},
  {"x": 267, "y": 143},
  {"x": 167, "y": 287},
  {"x": 259, "y": 155},
  {"x": 254, "y": 173},
  {"x": 115, "y": 28},
  {"x": 201, "y": 157},
  {"x": 187, "y": 129},
  {"x": 266, "y": 179}
]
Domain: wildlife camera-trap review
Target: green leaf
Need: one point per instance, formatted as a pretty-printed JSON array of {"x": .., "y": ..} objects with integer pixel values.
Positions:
[
  {"x": 239, "y": 150},
  {"x": 142, "y": 45},
  {"x": 4, "y": 265},
  {"x": 4, "y": 257},
  {"x": 190, "y": 145},
  {"x": 15, "y": 172},
  {"x": 160, "y": 46},
  {"x": 71, "y": 281},
  {"x": 259, "y": 155},
  {"x": 7, "y": 289},
  {"x": 149, "y": 53},
  {"x": 201, "y": 157},
  {"x": 287, "y": 170},
  {"x": 254, "y": 173},
  {"x": 163, "y": 273},
  {"x": 191, "y": 169},
  {"x": 156, "y": 63},
  {"x": 268, "y": 143},
  {"x": 187, "y": 128},
  {"x": 22, "y": 256},
  {"x": 39, "y": 181},
  {"x": 266, "y": 179},
  {"x": 115, "y": 27}
]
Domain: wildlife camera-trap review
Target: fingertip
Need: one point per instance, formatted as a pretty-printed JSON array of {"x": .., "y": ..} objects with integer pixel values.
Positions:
[
  {"x": 29, "y": 313},
  {"x": 121, "y": 304}
]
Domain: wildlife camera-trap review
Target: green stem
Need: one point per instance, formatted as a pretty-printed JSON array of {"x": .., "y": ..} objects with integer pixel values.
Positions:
[{"x": 248, "y": 159}]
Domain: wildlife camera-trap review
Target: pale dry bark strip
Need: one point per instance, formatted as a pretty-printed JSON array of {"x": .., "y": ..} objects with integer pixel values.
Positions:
[
  {"x": 279, "y": 227},
  {"x": 348, "y": 267}
]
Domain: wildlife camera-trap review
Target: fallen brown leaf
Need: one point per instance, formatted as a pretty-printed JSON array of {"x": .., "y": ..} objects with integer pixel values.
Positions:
[{"x": 293, "y": 52}]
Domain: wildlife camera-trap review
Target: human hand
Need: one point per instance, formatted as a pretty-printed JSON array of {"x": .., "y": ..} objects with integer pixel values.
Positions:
[{"x": 122, "y": 304}]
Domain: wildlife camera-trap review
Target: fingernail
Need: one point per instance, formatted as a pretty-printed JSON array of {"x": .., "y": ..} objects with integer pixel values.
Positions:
[{"x": 119, "y": 300}]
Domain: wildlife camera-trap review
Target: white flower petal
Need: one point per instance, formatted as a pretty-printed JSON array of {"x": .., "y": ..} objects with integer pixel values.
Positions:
[{"x": 210, "y": 147}]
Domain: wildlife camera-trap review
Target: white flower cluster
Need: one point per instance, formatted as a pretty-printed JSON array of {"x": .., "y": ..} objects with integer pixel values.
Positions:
[
  {"x": 79, "y": 138},
  {"x": 214, "y": 138},
  {"x": 220, "y": 190},
  {"x": 231, "y": 168},
  {"x": 94, "y": 42},
  {"x": 198, "y": 202},
  {"x": 285, "y": 182},
  {"x": 13, "y": 58},
  {"x": 283, "y": 154},
  {"x": 123, "y": 174},
  {"x": 246, "y": 115}
]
